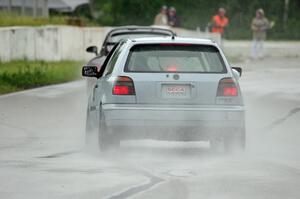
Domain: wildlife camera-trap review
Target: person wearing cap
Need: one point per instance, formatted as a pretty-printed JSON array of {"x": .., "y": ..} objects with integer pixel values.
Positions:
[
  {"x": 219, "y": 22},
  {"x": 173, "y": 19},
  {"x": 260, "y": 24},
  {"x": 161, "y": 19}
]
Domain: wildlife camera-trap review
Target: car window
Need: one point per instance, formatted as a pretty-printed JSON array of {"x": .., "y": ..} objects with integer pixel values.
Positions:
[
  {"x": 97, "y": 61},
  {"x": 112, "y": 62},
  {"x": 175, "y": 58}
]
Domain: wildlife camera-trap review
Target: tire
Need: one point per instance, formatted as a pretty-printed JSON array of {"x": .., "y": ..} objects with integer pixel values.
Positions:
[
  {"x": 229, "y": 142},
  {"x": 236, "y": 141},
  {"x": 107, "y": 138}
]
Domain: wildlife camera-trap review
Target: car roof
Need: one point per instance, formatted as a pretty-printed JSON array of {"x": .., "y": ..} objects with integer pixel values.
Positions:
[
  {"x": 155, "y": 40},
  {"x": 132, "y": 29}
]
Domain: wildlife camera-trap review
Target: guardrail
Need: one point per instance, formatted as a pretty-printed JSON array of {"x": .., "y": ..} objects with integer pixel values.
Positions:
[{"x": 55, "y": 43}]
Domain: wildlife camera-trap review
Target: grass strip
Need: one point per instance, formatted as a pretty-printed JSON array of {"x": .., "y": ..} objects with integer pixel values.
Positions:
[{"x": 23, "y": 74}]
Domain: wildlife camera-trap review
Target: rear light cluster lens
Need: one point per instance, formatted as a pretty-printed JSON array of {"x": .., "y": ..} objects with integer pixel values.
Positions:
[
  {"x": 227, "y": 88},
  {"x": 230, "y": 91},
  {"x": 172, "y": 69},
  {"x": 123, "y": 86}
]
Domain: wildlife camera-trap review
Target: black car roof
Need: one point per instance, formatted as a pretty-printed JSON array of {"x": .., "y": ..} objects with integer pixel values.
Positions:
[{"x": 140, "y": 29}]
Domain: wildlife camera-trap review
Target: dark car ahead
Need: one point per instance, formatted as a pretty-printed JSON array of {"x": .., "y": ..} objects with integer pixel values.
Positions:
[
  {"x": 117, "y": 34},
  {"x": 124, "y": 32}
]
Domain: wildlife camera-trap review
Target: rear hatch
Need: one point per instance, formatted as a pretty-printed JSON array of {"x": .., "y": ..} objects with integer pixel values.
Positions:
[
  {"x": 176, "y": 88},
  {"x": 175, "y": 73}
]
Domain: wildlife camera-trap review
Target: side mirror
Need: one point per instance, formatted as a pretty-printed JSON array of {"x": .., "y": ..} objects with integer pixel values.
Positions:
[
  {"x": 90, "y": 71},
  {"x": 238, "y": 69},
  {"x": 92, "y": 49}
]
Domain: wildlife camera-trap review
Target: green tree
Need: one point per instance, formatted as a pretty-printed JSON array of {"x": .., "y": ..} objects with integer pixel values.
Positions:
[{"x": 197, "y": 13}]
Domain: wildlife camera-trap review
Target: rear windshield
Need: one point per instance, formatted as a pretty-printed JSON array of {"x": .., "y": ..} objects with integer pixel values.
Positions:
[{"x": 185, "y": 58}]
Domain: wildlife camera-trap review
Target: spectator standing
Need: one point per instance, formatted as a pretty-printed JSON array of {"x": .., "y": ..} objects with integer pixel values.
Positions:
[
  {"x": 173, "y": 19},
  {"x": 161, "y": 19},
  {"x": 260, "y": 24},
  {"x": 219, "y": 22}
]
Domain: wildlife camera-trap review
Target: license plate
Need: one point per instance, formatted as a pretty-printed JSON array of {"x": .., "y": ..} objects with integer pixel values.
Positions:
[{"x": 176, "y": 91}]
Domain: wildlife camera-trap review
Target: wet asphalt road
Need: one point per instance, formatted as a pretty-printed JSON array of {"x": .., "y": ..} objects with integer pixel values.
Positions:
[{"x": 42, "y": 151}]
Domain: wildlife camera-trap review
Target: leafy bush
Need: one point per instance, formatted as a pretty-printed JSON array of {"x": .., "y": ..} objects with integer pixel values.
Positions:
[{"x": 11, "y": 19}]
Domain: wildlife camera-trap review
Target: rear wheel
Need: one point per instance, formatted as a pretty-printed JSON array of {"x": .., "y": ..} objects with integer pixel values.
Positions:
[
  {"x": 233, "y": 141},
  {"x": 107, "y": 137}
]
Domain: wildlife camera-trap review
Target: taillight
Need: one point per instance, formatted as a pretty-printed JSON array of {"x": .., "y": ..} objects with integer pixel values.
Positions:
[
  {"x": 227, "y": 87},
  {"x": 172, "y": 69},
  {"x": 123, "y": 85}
]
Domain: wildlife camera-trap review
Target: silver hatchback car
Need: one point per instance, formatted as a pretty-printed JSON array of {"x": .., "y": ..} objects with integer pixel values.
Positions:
[{"x": 167, "y": 88}]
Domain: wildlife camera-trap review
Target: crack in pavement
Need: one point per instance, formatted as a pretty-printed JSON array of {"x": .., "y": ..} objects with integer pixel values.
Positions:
[
  {"x": 57, "y": 155},
  {"x": 133, "y": 190},
  {"x": 153, "y": 180},
  {"x": 283, "y": 119}
]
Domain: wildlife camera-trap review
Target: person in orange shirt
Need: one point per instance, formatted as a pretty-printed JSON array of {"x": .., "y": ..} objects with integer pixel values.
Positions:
[{"x": 219, "y": 22}]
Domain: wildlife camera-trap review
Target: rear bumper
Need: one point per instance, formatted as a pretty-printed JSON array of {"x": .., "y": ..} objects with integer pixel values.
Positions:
[
  {"x": 163, "y": 122},
  {"x": 173, "y": 116}
]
